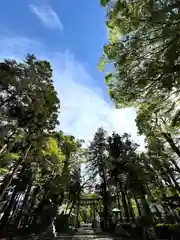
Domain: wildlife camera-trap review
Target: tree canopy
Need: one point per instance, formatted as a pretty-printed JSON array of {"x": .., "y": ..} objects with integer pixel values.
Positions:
[
  {"x": 141, "y": 65},
  {"x": 41, "y": 166},
  {"x": 143, "y": 48}
]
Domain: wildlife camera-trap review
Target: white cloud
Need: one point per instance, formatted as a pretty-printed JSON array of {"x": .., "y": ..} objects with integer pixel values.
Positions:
[
  {"x": 83, "y": 107},
  {"x": 47, "y": 15},
  {"x": 16, "y": 47}
]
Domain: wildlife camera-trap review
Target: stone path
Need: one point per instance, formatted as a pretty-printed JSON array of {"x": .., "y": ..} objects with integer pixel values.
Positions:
[{"x": 82, "y": 234}]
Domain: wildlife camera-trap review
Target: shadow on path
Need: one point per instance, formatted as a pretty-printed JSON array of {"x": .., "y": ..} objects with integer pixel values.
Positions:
[{"x": 82, "y": 234}]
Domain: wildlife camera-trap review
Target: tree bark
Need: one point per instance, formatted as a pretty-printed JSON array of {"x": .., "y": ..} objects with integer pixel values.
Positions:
[
  {"x": 10, "y": 177},
  {"x": 171, "y": 142},
  {"x": 124, "y": 202},
  {"x": 138, "y": 207},
  {"x": 31, "y": 205},
  {"x": 15, "y": 207},
  {"x": 118, "y": 200},
  {"x": 145, "y": 205},
  {"x": 130, "y": 207},
  {"x": 3, "y": 148},
  {"x": 176, "y": 166},
  {"x": 18, "y": 219},
  {"x": 5, "y": 218},
  {"x": 105, "y": 199},
  {"x": 70, "y": 211},
  {"x": 174, "y": 181}
]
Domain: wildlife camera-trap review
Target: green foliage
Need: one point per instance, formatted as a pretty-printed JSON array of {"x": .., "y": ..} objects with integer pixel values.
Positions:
[
  {"x": 34, "y": 159},
  {"x": 51, "y": 149},
  {"x": 38, "y": 163},
  {"x": 104, "y": 2},
  {"x": 135, "y": 179},
  {"x": 143, "y": 48},
  {"x": 101, "y": 64},
  {"x": 3, "y": 171},
  {"x": 28, "y": 99}
]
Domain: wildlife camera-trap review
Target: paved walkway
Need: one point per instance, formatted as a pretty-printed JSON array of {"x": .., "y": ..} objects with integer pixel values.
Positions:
[{"x": 82, "y": 234}]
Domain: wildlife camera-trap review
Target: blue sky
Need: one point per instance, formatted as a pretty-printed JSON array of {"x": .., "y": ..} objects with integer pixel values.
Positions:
[{"x": 70, "y": 34}]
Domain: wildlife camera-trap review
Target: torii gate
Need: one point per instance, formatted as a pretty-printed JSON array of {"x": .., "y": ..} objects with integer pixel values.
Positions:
[{"x": 89, "y": 202}]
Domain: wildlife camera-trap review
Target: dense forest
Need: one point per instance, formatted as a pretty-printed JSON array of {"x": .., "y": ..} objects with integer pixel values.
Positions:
[{"x": 40, "y": 163}]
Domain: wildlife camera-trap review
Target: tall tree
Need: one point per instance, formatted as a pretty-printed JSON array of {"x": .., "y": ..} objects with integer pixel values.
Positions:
[
  {"x": 143, "y": 48},
  {"x": 29, "y": 104},
  {"x": 97, "y": 158}
]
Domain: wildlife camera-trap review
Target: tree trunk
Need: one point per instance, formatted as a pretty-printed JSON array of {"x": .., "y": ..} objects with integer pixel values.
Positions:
[
  {"x": 176, "y": 166},
  {"x": 67, "y": 207},
  {"x": 15, "y": 207},
  {"x": 3, "y": 148},
  {"x": 105, "y": 199},
  {"x": 31, "y": 205},
  {"x": 171, "y": 178},
  {"x": 117, "y": 195},
  {"x": 171, "y": 142},
  {"x": 77, "y": 214},
  {"x": 118, "y": 200},
  {"x": 9, "y": 178},
  {"x": 41, "y": 204},
  {"x": 72, "y": 206},
  {"x": 174, "y": 181},
  {"x": 18, "y": 219},
  {"x": 145, "y": 205},
  {"x": 125, "y": 206},
  {"x": 138, "y": 207},
  {"x": 5, "y": 218},
  {"x": 130, "y": 207}
]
